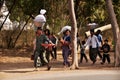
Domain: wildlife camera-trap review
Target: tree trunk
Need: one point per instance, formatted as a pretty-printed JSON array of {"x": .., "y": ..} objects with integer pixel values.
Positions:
[
  {"x": 117, "y": 60},
  {"x": 115, "y": 29},
  {"x": 73, "y": 35}
]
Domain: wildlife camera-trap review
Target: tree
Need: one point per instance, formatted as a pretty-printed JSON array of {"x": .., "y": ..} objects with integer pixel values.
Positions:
[
  {"x": 8, "y": 14},
  {"x": 115, "y": 29},
  {"x": 74, "y": 34}
]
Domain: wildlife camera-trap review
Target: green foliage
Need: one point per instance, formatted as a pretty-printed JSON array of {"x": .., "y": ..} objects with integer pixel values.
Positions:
[
  {"x": 116, "y": 4},
  {"x": 58, "y": 12}
]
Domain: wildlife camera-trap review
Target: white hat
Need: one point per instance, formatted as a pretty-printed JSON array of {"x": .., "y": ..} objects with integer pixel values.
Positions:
[{"x": 42, "y": 11}]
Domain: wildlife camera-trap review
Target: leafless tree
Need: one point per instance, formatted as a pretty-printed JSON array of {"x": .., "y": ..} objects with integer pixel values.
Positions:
[
  {"x": 115, "y": 29},
  {"x": 73, "y": 35}
]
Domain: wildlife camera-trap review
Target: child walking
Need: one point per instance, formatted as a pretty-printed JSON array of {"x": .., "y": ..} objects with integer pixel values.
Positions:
[
  {"x": 106, "y": 49},
  {"x": 83, "y": 55}
]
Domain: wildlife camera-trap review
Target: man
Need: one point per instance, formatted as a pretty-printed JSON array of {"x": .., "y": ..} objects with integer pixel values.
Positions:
[
  {"x": 99, "y": 36},
  {"x": 92, "y": 41},
  {"x": 40, "y": 45}
]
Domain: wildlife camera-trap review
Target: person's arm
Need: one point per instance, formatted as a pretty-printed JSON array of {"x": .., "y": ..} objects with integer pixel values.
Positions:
[
  {"x": 87, "y": 42},
  {"x": 101, "y": 39},
  {"x": 47, "y": 45},
  {"x": 65, "y": 42},
  {"x": 56, "y": 40}
]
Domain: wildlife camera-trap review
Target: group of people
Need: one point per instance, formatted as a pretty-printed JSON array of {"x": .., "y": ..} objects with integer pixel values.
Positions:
[
  {"x": 96, "y": 45},
  {"x": 45, "y": 44}
]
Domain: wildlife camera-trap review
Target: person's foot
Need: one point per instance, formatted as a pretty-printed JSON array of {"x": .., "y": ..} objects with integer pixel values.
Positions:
[
  {"x": 52, "y": 59},
  {"x": 68, "y": 64},
  {"x": 36, "y": 69},
  {"x": 80, "y": 62},
  {"x": 65, "y": 66},
  {"x": 94, "y": 61},
  {"x": 102, "y": 63},
  {"x": 49, "y": 67},
  {"x": 86, "y": 61},
  {"x": 100, "y": 58}
]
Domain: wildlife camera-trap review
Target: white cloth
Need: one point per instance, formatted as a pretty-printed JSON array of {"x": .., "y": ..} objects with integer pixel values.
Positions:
[
  {"x": 92, "y": 41},
  {"x": 64, "y": 29},
  {"x": 40, "y": 18},
  {"x": 42, "y": 11}
]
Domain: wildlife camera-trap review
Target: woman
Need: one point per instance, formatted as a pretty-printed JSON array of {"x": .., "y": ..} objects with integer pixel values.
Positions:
[{"x": 66, "y": 47}]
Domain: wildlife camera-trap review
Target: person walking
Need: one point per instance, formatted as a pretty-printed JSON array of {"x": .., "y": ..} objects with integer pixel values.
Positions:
[
  {"x": 48, "y": 49},
  {"x": 82, "y": 52},
  {"x": 54, "y": 40},
  {"x": 99, "y": 36},
  {"x": 106, "y": 49},
  {"x": 66, "y": 47},
  {"x": 92, "y": 42},
  {"x": 78, "y": 41},
  {"x": 40, "y": 48}
]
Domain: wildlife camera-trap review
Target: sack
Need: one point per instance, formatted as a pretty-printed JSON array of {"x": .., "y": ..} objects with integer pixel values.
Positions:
[{"x": 32, "y": 57}]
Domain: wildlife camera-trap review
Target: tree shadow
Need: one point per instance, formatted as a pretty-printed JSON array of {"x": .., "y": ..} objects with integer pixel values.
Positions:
[
  {"x": 14, "y": 66},
  {"x": 18, "y": 71}
]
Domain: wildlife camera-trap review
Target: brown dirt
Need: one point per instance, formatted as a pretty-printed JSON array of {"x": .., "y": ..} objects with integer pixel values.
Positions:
[{"x": 20, "y": 59}]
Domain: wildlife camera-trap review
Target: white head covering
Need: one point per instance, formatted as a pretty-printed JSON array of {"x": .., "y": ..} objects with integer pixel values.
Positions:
[{"x": 64, "y": 29}]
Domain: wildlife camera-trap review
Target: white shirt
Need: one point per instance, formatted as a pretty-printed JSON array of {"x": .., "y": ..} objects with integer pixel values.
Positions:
[{"x": 92, "y": 41}]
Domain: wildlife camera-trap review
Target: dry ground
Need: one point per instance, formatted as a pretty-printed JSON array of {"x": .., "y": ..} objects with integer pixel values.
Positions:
[
  {"x": 20, "y": 59},
  {"x": 17, "y": 63}
]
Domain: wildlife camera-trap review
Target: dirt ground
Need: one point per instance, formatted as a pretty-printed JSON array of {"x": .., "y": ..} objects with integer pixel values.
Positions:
[
  {"x": 17, "y": 62},
  {"x": 20, "y": 59}
]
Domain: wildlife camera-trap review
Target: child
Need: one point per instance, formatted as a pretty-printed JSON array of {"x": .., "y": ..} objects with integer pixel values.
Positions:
[
  {"x": 83, "y": 52},
  {"x": 106, "y": 49}
]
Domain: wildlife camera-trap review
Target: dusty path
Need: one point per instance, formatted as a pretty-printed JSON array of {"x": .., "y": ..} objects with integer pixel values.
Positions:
[
  {"x": 18, "y": 63},
  {"x": 63, "y": 75}
]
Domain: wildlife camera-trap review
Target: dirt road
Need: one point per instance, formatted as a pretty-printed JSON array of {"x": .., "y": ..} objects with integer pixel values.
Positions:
[{"x": 15, "y": 64}]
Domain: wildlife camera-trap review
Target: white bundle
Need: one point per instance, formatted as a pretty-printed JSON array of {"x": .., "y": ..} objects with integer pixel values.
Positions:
[
  {"x": 102, "y": 28},
  {"x": 64, "y": 29},
  {"x": 92, "y": 25},
  {"x": 42, "y": 11},
  {"x": 40, "y": 19}
]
